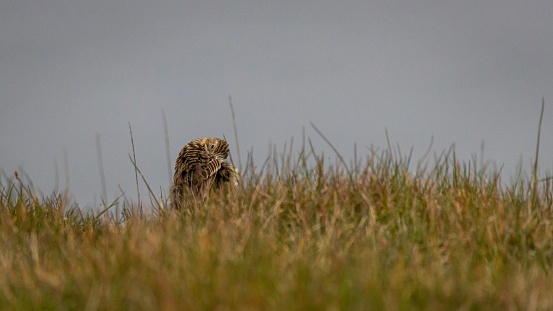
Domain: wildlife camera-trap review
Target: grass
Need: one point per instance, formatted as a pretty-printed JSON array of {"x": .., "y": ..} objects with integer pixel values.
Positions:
[{"x": 298, "y": 234}]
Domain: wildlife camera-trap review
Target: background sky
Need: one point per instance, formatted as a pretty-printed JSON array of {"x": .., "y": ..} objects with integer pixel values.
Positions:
[{"x": 463, "y": 72}]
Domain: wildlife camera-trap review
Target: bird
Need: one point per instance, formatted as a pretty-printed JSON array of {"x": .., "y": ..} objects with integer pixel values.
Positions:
[{"x": 199, "y": 166}]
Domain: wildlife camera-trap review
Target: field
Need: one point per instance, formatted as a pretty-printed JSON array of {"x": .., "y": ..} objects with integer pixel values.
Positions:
[{"x": 299, "y": 233}]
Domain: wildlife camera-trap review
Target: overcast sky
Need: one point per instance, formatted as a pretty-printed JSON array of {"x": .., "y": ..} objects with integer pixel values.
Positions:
[{"x": 462, "y": 72}]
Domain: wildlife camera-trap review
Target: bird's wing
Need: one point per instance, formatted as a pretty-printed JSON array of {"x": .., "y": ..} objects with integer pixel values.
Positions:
[
  {"x": 201, "y": 171},
  {"x": 204, "y": 169}
]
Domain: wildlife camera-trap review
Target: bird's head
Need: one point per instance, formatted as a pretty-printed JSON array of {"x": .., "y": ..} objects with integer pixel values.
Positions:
[{"x": 216, "y": 146}]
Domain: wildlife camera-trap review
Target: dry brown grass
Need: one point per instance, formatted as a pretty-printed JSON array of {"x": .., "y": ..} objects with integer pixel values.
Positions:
[{"x": 293, "y": 237}]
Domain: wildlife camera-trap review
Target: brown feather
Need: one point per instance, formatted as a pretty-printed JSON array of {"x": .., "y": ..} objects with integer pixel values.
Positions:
[{"x": 199, "y": 164}]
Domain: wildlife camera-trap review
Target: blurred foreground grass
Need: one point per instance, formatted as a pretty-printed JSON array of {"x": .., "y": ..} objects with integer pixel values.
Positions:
[{"x": 293, "y": 237}]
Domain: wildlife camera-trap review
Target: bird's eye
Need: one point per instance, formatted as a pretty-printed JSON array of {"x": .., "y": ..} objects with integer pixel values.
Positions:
[{"x": 212, "y": 146}]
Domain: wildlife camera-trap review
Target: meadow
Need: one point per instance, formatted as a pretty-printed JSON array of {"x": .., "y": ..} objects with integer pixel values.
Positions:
[{"x": 299, "y": 233}]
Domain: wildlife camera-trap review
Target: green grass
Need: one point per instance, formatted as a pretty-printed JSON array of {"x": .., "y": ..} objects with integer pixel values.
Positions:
[{"x": 294, "y": 236}]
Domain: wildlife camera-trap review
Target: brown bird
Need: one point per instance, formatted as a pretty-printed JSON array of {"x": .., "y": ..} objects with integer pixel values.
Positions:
[{"x": 201, "y": 164}]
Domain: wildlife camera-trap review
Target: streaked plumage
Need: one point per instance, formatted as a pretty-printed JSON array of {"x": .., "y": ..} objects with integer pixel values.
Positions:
[
  {"x": 201, "y": 164},
  {"x": 226, "y": 175}
]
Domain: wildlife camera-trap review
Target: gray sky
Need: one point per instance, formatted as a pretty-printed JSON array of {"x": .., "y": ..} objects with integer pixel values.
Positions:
[{"x": 461, "y": 71}]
